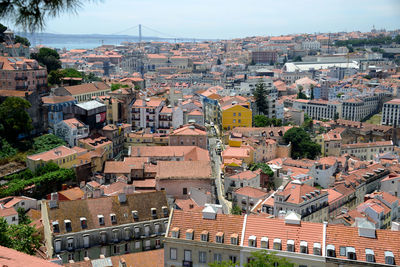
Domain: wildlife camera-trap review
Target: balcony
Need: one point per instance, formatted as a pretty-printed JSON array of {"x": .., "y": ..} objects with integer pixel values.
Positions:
[
  {"x": 165, "y": 118},
  {"x": 21, "y": 87},
  {"x": 21, "y": 78},
  {"x": 40, "y": 76}
]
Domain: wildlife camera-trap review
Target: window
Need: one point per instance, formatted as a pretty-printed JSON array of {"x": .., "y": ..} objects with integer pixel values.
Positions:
[
  {"x": 57, "y": 246},
  {"x": 147, "y": 244},
  {"x": 217, "y": 257},
  {"x": 219, "y": 238},
  {"x": 234, "y": 121},
  {"x": 103, "y": 237},
  {"x": 234, "y": 240},
  {"x": 101, "y": 219},
  {"x": 252, "y": 241},
  {"x": 175, "y": 232},
  {"x": 389, "y": 257},
  {"x": 172, "y": 254},
  {"x": 135, "y": 215},
  {"x": 351, "y": 253},
  {"x": 303, "y": 247},
  {"x": 147, "y": 230},
  {"x": 116, "y": 249},
  {"x": 56, "y": 228},
  {"x": 264, "y": 242},
  {"x": 115, "y": 235},
  {"x": 187, "y": 255},
  {"x": 158, "y": 243},
  {"x": 137, "y": 245},
  {"x": 239, "y": 121},
  {"x": 68, "y": 227},
  {"x": 290, "y": 245},
  {"x": 234, "y": 114},
  {"x": 239, "y": 114},
  {"x": 317, "y": 249},
  {"x": 113, "y": 218},
  {"x": 83, "y": 222},
  {"x": 202, "y": 257},
  {"x": 70, "y": 256},
  {"x": 342, "y": 251},
  {"x": 86, "y": 241},
  {"x": 70, "y": 243},
  {"x": 369, "y": 255},
  {"x": 204, "y": 236},
  {"x": 126, "y": 247},
  {"x": 184, "y": 191},
  {"x": 189, "y": 234},
  {"x": 277, "y": 244},
  {"x": 233, "y": 259}
]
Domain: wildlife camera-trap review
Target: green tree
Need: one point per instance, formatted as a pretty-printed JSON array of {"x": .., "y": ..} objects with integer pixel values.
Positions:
[
  {"x": 264, "y": 168},
  {"x": 48, "y": 57},
  {"x": 298, "y": 59},
  {"x": 302, "y": 145},
  {"x": 91, "y": 77},
  {"x": 47, "y": 142},
  {"x": 260, "y": 258},
  {"x": 24, "y": 238},
  {"x": 33, "y": 14},
  {"x": 261, "y": 121},
  {"x": 236, "y": 210},
  {"x": 70, "y": 72},
  {"x": 22, "y": 40},
  {"x": 260, "y": 95},
  {"x": 5, "y": 240},
  {"x": 6, "y": 150},
  {"x": 312, "y": 91},
  {"x": 55, "y": 77},
  {"x": 300, "y": 94},
  {"x": 22, "y": 217},
  {"x": 14, "y": 119},
  {"x": 2, "y": 30},
  {"x": 336, "y": 116},
  {"x": 116, "y": 86}
]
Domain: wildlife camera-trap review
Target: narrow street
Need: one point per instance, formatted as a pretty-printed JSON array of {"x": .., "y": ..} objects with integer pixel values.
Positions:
[{"x": 216, "y": 170}]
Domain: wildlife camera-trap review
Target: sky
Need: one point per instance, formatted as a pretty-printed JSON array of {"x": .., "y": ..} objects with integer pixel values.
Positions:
[{"x": 225, "y": 19}]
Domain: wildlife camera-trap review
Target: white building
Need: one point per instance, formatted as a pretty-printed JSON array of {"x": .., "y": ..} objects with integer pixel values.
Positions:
[
  {"x": 391, "y": 113},
  {"x": 71, "y": 131},
  {"x": 356, "y": 109},
  {"x": 318, "y": 109},
  {"x": 367, "y": 151},
  {"x": 311, "y": 45}
]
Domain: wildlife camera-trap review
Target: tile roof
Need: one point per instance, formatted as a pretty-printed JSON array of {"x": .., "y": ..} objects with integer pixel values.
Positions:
[
  {"x": 55, "y": 153},
  {"x": 183, "y": 170},
  {"x": 87, "y": 88},
  {"x": 294, "y": 192},
  {"x": 386, "y": 240},
  {"x": 246, "y": 175},
  {"x": 187, "y": 152},
  {"x": 90, "y": 208},
  {"x": 251, "y": 192},
  {"x": 13, "y": 258},
  {"x": 225, "y": 223},
  {"x": 72, "y": 193},
  {"x": 261, "y": 226}
]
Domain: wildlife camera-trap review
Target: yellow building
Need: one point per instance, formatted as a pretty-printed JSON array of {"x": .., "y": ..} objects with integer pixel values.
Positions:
[
  {"x": 236, "y": 115},
  {"x": 63, "y": 156},
  {"x": 94, "y": 144}
]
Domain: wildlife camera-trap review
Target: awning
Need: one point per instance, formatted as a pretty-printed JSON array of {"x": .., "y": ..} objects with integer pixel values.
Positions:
[
  {"x": 252, "y": 237},
  {"x": 264, "y": 239},
  {"x": 369, "y": 251},
  {"x": 290, "y": 242},
  {"x": 350, "y": 250},
  {"x": 277, "y": 240},
  {"x": 317, "y": 245},
  {"x": 330, "y": 247},
  {"x": 303, "y": 244},
  {"x": 389, "y": 254}
]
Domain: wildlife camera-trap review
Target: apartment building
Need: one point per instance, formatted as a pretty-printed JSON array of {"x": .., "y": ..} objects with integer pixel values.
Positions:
[
  {"x": 105, "y": 226},
  {"x": 197, "y": 239},
  {"x": 23, "y": 74},
  {"x": 97, "y": 143},
  {"x": 241, "y": 179},
  {"x": 63, "y": 156},
  {"x": 367, "y": 151},
  {"x": 189, "y": 135},
  {"x": 264, "y": 57},
  {"x": 308, "y": 201},
  {"x": 319, "y": 109},
  {"x": 146, "y": 113},
  {"x": 71, "y": 130},
  {"x": 356, "y": 109},
  {"x": 391, "y": 113},
  {"x": 84, "y": 92},
  {"x": 55, "y": 106}
]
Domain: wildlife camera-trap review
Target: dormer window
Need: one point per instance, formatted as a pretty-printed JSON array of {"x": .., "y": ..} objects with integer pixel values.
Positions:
[
  {"x": 165, "y": 211},
  {"x": 175, "y": 232},
  {"x": 351, "y": 253},
  {"x": 83, "y": 222},
  {"x": 317, "y": 249},
  {"x": 252, "y": 241},
  {"x": 68, "y": 227},
  {"x": 369, "y": 255},
  {"x": 204, "y": 236},
  {"x": 147, "y": 230},
  {"x": 290, "y": 245},
  {"x": 157, "y": 228},
  {"x": 264, "y": 242},
  {"x": 303, "y": 247},
  {"x": 234, "y": 239},
  {"x": 56, "y": 227},
  {"x": 135, "y": 215},
  {"x": 330, "y": 251},
  {"x": 101, "y": 219},
  {"x": 113, "y": 218},
  {"x": 277, "y": 244},
  {"x": 154, "y": 212},
  {"x": 189, "y": 234},
  {"x": 389, "y": 257},
  {"x": 219, "y": 237}
]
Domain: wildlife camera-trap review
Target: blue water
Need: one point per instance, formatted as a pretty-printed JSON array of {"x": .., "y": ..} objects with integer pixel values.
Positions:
[{"x": 76, "y": 41}]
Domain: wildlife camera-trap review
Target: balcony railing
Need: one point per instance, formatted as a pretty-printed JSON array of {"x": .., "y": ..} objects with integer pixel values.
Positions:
[
  {"x": 21, "y": 78},
  {"x": 21, "y": 87}
]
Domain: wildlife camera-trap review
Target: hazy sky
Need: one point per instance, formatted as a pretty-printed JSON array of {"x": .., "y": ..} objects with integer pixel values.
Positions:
[{"x": 229, "y": 18}]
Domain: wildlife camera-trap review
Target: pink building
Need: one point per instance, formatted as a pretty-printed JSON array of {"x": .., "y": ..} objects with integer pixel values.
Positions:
[
  {"x": 189, "y": 135},
  {"x": 19, "y": 73},
  {"x": 177, "y": 177}
]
